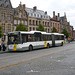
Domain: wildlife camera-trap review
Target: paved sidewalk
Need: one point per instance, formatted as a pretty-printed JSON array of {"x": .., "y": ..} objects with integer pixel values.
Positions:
[{"x": 1, "y": 52}]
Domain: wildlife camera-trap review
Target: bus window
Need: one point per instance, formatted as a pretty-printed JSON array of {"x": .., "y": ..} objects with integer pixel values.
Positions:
[
  {"x": 13, "y": 39},
  {"x": 62, "y": 37},
  {"x": 57, "y": 37},
  {"x": 31, "y": 38},
  {"x": 24, "y": 38}
]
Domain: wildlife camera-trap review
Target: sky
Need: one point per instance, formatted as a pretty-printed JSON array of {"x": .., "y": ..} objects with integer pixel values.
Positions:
[{"x": 59, "y": 6}]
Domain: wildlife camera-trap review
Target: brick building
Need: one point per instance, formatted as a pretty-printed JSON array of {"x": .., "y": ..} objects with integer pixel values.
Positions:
[
  {"x": 63, "y": 23},
  {"x": 54, "y": 22}
]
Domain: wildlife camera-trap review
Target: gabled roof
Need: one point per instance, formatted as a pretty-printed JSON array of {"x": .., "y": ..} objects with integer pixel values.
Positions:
[{"x": 5, "y": 4}]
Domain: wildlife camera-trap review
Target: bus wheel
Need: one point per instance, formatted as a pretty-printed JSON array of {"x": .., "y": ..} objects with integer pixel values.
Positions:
[
  {"x": 30, "y": 48},
  {"x": 48, "y": 45},
  {"x": 62, "y": 44}
]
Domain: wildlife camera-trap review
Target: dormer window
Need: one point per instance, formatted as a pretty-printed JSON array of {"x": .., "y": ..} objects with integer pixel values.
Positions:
[
  {"x": 35, "y": 15},
  {"x": 38, "y": 15},
  {"x": 20, "y": 15},
  {"x": 31, "y": 14}
]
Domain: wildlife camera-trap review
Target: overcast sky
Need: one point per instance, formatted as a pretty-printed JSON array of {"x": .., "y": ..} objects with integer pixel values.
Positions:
[{"x": 59, "y": 6}]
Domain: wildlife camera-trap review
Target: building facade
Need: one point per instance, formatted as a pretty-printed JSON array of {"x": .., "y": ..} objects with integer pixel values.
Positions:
[
  {"x": 6, "y": 15},
  {"x": 20, "y": 16},
  {"x": 31, "y": 17},
  {"x": 36, "y": 17},
  {"x": 74, "y": 34},
  {"x": 63, "y": 23}
]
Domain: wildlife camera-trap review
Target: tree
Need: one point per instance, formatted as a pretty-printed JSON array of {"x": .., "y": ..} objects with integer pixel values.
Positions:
[
  {"x": 1, "y": 31},
  {"x": 40, "y": 28},
  {"x": 65, "y": 32},
  {"x": 21, "y": 27},
  {"x": 54, "y": 30}
]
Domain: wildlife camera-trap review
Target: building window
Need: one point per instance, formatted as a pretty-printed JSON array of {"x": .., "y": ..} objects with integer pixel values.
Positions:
[
  {"x": 18, "y": 21},
  {"x": 36, "y": 22},
  {"x": 33, "y": 28},
  {"x": 43, "y": 22},
  {"x": 38, "y": 15},
  {"x": 41, "y": 16},
  {"x": 2, "y": 16},
  {"x": 25, "y": 22},
  {"x": 55, "y": 24},
  {"x": 39, "y": 22},
  {"x": 20, "y": 15},
  {"x": 34, "y": 15},
  {"x": 46, "y": 16},
  {"x": 22, "y": 22},
  {"x": 58, "y": 26},
  {"x": 8, "y": 17},
  {"x": 51, "y": 24},
  {"x": 14, "y": 28},
  {"x": 30, "y": 28},
  {"x": 33, "y": 22},
  {"x": 48, "y": 30},
  {"x": 48, "y": 23},
  {"x": 29, "y": 22},
  {"x": 15, "y": 21},
  {"x": 31, "y": 14}
]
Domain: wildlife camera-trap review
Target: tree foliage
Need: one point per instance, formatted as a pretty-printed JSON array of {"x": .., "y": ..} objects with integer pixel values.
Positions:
[
  {"x": 54, "y": 30},
  {"x": 21, "y": 27},
  {"x": 1, "y": 31},
  {"x": 40, "y": 28},
  {"x": 65, "y": 32}
]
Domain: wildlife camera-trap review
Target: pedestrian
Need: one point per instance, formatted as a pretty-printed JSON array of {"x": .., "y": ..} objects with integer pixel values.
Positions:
[
  {"x": 69, "y": 39},
  {"x": 3, "y": 45},
  {"x": 0, "y": 45}
]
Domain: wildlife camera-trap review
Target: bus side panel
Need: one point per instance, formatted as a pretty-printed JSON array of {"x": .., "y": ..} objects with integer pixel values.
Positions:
[{"x": 58, "y": 42}]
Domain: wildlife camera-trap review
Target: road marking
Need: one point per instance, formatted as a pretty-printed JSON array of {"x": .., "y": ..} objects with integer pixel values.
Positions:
[{"x": 34, "y": 59}]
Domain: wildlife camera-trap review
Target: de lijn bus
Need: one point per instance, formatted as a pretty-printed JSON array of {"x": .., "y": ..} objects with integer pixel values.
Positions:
[{"x": 20, "y": 41}]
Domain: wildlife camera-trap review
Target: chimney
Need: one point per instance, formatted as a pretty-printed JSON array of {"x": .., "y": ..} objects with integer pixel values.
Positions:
[
  {"x": 45, "y": 12},
  {"x": 34, "y": 8},
  {"x": 53, "y": 14},
  {"x": 58, "y": 14}
]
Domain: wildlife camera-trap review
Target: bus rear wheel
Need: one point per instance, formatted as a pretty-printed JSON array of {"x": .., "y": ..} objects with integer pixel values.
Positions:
[
  {"x": 48, "y": 45},
  {"x": 62, "y": 44},
  {"x": 30, "y": 48}
]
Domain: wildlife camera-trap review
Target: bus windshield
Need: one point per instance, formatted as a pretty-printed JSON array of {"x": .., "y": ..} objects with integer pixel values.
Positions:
[{"x": 13, "y": 39}]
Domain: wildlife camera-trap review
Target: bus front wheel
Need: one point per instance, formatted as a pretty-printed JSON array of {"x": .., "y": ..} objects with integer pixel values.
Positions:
[{"x": 30, "y": 48}]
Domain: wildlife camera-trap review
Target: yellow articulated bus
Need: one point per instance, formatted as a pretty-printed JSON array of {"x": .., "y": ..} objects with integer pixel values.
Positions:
[{"x": 21, "y": 41}]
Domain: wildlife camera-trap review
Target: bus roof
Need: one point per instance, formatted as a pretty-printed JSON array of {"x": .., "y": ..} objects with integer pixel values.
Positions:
[
  {"x": 32, "y": 32},
  {"x": 57, "y": 34}
]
